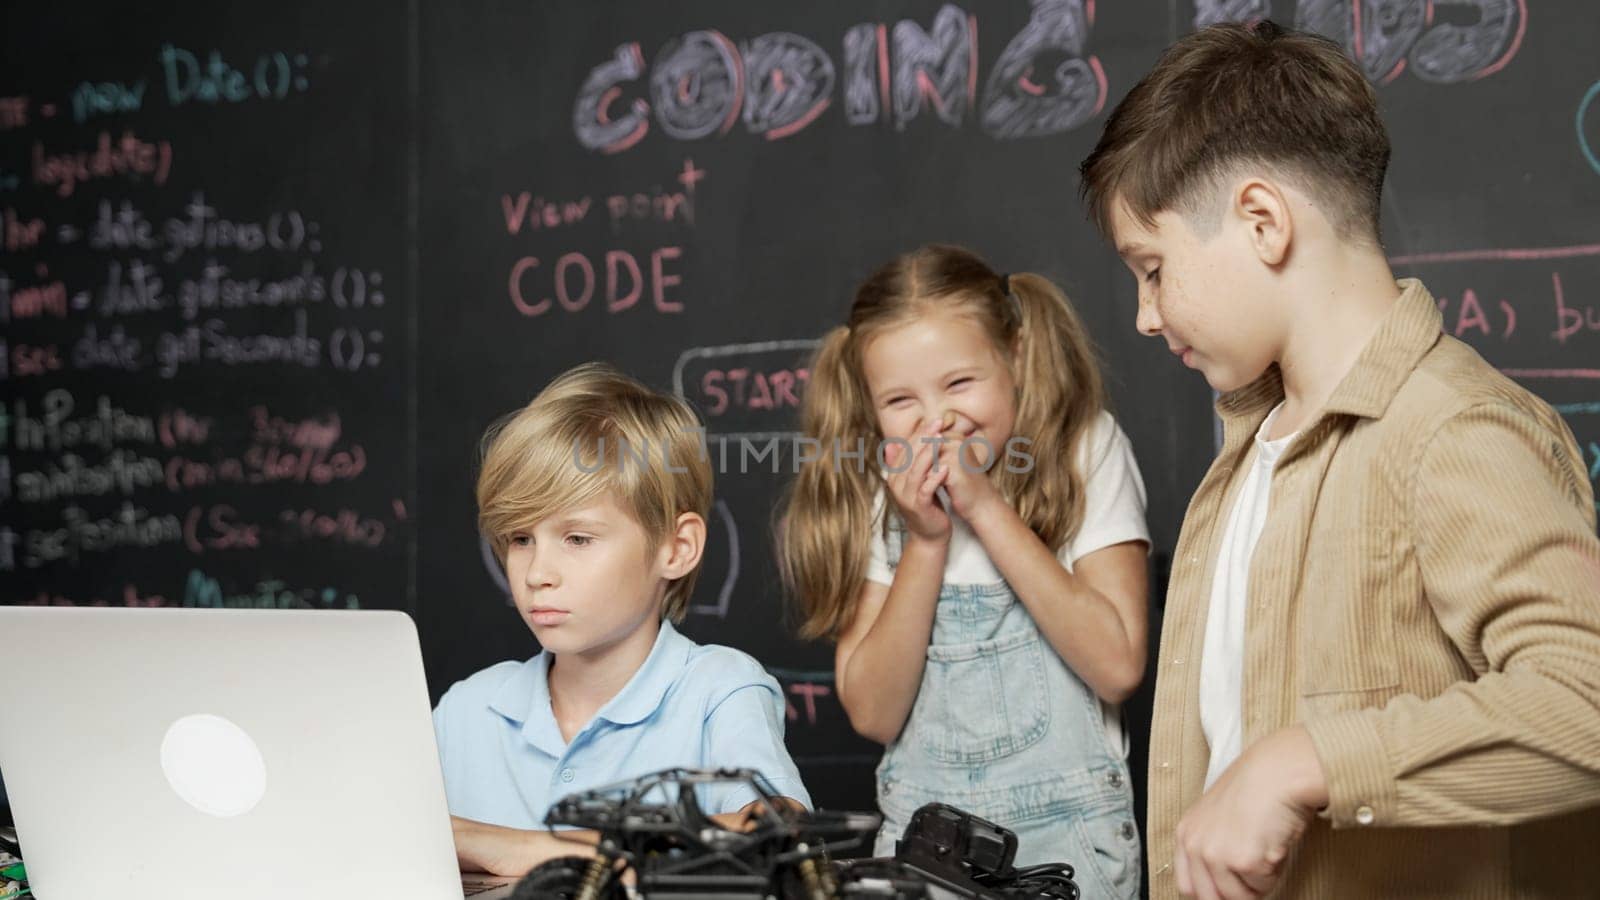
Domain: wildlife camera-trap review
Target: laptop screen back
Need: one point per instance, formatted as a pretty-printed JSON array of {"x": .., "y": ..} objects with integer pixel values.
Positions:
[{"x": 250, "y": 754}]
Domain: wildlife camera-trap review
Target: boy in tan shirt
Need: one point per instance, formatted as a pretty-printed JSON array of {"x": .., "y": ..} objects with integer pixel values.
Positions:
[{"x": 1383, "y": 622}]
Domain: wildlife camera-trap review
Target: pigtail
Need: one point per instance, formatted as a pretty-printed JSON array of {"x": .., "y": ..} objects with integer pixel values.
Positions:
[
  {"x": 1060, "y": 395},
  {"x": 821, "y": 554}
]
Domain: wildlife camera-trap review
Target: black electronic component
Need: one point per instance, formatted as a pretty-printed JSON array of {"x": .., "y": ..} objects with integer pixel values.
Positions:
[
  {"x": 655, "y": 828},
  {"x": 654, "y": 832},
  {"x": 964, "y": 855}
]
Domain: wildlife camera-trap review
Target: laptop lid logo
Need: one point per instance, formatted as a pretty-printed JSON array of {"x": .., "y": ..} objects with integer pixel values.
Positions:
[{"x": 213, "y": 765}]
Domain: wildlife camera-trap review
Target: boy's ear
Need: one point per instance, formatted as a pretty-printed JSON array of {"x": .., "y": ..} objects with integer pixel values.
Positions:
[
  {"x": 681, "y": 550},
  {"x": 1264, "y": 209}
]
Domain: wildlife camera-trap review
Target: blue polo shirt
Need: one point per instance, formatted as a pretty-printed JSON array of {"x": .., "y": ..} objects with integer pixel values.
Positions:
[{"x": 505, "y": 761}]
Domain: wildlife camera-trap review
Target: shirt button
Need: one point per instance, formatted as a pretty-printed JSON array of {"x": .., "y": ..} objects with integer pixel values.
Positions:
[
  {"x": 566, "y": 775},
  {"x": 1114, "y": 779},
  {"x": 1364, "y": 815},
  {"x": 1128, "y": 832}
]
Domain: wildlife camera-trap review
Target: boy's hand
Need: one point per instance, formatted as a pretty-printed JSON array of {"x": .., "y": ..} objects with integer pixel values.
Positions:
[
  {"x": 914, "y": 488},
  {"x": 1232, "y": 843},
  {"x": 498, "y": 850}
]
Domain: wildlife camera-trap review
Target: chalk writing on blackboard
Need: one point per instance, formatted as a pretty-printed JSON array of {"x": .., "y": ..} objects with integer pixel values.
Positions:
[
  {"x": 204, "y": 591},
  {"x": 938, "y": 68},
  {"x": 790, "y": 84},
  {"x": 746, "y": 390},
  {"x": 71, "y": 450},
  {"x": 1045, "y": 81},
  {"x": 1439, "y": 41},
  {"x": 1589, "y": 124},
  {"x": 618, "y": 278},
  {"x": 809, "y": 691},
  {"x": 125, "y": 157},
  {"x": 271, "y": 76},
  {"x": 575, "y": 281},
  {"x": 1548, "y": 303}
]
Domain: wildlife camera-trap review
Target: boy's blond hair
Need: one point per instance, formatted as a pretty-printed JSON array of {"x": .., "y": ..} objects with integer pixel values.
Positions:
[
  {"x": 1232, "y": 95},
  {"x": 591, "y": 432}
]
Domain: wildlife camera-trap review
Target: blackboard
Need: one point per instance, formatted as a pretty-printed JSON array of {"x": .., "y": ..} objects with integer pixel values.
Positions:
[
  {"x": 208, "y": 308},
  {"x": 376, "y": 228}
]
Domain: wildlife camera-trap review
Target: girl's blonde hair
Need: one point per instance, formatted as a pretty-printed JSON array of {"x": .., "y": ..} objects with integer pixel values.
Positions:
[
  {"x": 822, "y": 547},
  {"x": 590, "y": 432}
]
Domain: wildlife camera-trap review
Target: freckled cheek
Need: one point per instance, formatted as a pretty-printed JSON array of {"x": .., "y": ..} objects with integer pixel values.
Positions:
[
  {"x": 1182, "y": 314},
  {"x": 1214, "y": 320},
  {"x": 1169, "y": 309}
]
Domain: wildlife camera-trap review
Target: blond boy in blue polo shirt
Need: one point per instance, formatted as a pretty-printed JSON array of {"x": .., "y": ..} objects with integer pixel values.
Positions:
[{"x": 595, "y": 498}]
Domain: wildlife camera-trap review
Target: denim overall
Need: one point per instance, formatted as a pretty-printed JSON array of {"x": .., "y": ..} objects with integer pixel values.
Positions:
[{"x": 1003, "y": 729}]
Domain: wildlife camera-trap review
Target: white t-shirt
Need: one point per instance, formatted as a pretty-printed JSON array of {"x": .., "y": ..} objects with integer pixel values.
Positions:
[
  {"x": 1222, "y": 660},
  {"x": 1113, "y": 512}
]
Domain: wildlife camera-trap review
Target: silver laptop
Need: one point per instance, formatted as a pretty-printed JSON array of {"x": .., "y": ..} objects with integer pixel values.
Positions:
[{"x": 247, "y": 754}]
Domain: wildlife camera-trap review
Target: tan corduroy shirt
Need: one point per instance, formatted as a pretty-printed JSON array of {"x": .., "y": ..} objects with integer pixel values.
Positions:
[{"x": 1425, "y": 597}]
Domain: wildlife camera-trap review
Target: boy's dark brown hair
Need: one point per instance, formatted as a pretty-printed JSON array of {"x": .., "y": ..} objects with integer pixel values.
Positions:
[{"x": 1243, "y": 94}]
